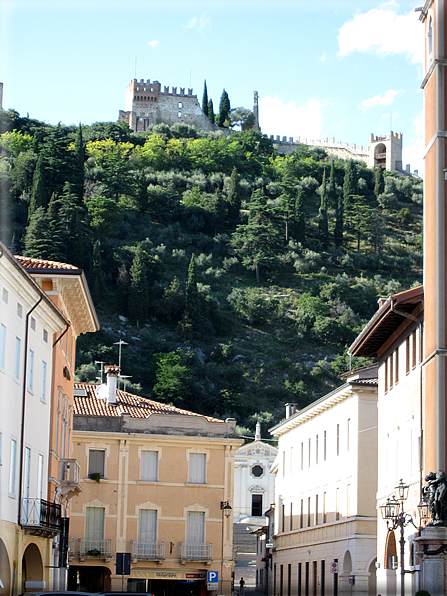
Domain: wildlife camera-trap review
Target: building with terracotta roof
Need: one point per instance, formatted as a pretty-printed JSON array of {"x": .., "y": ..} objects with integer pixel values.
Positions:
[
  {"x": 32, "y": 323},
  {"x": 157, "y": 483},
  {"x": 45, "y": 306},
  {"x": 325, "y": 487}
]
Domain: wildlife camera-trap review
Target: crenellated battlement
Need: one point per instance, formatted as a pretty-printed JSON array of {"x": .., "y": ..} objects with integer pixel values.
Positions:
[
  {"x": 141, "y": 88},
  {"x": 326, "y": 142}
]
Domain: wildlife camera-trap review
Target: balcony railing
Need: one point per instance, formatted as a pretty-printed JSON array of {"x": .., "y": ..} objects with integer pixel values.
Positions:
[
  {"x": 69, "y": 472},
  {"x": 40, "y": 517},
  {"x": 148, "y": 550},
  {"x": 71, "y": 548},
  {"x": 95, "y": 548},
  {"x": 196, "y": 552}
]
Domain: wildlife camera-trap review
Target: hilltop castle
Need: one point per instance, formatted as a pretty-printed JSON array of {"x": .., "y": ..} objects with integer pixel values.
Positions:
[{"x": 146, "y": 104}]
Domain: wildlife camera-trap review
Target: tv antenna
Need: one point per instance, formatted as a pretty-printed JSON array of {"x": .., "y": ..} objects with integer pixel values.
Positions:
[
  {"x": 102, "y": 369},
  {"x": 120, "y": 343}
]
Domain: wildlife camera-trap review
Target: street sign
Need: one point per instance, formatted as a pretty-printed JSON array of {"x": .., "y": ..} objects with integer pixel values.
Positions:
[
  {"x": 334, "y": 567},
  {"x": 269, "y": 545},
  {"x": 212, "y": 580},
  {"x": 123, "y": 563}
]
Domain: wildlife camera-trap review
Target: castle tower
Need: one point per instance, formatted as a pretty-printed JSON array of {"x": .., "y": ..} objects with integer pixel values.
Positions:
[
  {"x": 435, "y": 241},
  {"x": 386, "y": 152},
  {"x": 256, "y": 111}
]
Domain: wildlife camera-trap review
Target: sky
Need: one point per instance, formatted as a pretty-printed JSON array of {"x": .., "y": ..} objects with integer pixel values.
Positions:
[{"x": 322, "y": 68}]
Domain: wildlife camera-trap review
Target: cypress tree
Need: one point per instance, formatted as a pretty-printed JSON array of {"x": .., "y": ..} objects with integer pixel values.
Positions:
[
  {"x": 43, "y": 237},
  {"x": 332, "y": 193},
  {"x": 139, "y": 296},
  {"x": 234, "y": 198},
  {"x": 349, "y": 187},
  {"x": 96, "y": 274},
  {"x": 224, "y": 108},
  {"x": 379, "y": 186},
  {"x": 205, "y": 99},
  {"x": 73, "y": 220},
  {"x": 338, "y": 230},
  {"x": 192, "y": 293},
  {"x": 79, "y": 158},
  {"x": 300, "y": 219},
  {"x": 38, "y": 192},
  {"x": 211, "y": 115},
  {"x": 322, "y": 215}
]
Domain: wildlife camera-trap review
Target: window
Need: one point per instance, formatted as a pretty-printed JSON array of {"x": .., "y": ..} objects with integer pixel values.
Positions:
[
  {"x": 197, "y": 468},
  {"x": 33, "y": 323},
  {"x": 195, "y": 530},
  {"x": 301, "y": 513},
  {"x": 308, "y": 512},
  {"x": 96, "y": 462},
  {"x": 323, "y": 571},
  {"x": 337, "y": 504},
  {"x": 5, "y": 295},
  {"x": 12, "y": 469},
  {"x": 147, "y": 533},
  {"x": 2, "y": 346},
  {"x": 324, "y": 446},
  {"x": 149, "y": 466},
  {"x": 386, "y": 375},
  {"x": 45, "y": 336},
  {"x": 338, "y": 439},
  {"x": 291, "y": 517},
  {"x": 299, "y": 578},
  {"x": 302, "y": 455},
  {"x": 94, "y": 529},
  {"x": 19, "y": 310},
  {"x": 390, "y": 371},
  {"x": 324, "y": 508},
  {"x": 413, "y": 352},
  {"x": 316, "y": 450},
  {"x": 396, "y": 366},
  {"x": 180, "y": 104},
  {"x": 17, "y": 359},
  {"x": 179, "y": 115},
  {"x": 257, "y": 471},
  {"x": 43, "y": 391},
  {"x": 30, "y": 380},
  {"x": 347, "y": 434},
  {"x": 256, "y": 505},
  {"x": 316, "y": 510},
  {"x": 289, "y": 580},
  {"x": 309, "y": 453},
  {"x": 40, "y": 472},
  {"x": 407, "y": 355},
  {"x": 283, "y": 517},
  {"x": 283, "y": 464},
  {"x": 58, "y": 420},
  {"x": 281, "y": 580}
]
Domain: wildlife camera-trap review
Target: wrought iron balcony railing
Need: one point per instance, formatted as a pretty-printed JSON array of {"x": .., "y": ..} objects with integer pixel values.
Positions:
[
  {"x": 148, "y": 550},
  {"x": 95, "y": 548},
  {"x": 40, "y": 517},
  {"x": 196, "y": 552}
]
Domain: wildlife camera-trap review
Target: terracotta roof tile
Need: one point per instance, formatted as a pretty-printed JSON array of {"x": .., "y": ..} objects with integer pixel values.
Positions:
[
  {"x": 30, "y": 263},
  {"x": 136, "y": 406}
]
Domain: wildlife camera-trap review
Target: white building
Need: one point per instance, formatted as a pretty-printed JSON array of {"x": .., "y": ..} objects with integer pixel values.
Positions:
[
  {"x": 28, "y": 521},
  {"x": 325, "y": 493},
  {"x": 253, "y": 481}
]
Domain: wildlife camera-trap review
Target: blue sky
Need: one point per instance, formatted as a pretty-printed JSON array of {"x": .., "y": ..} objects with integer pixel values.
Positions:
[{"x": 343, "y": 68}]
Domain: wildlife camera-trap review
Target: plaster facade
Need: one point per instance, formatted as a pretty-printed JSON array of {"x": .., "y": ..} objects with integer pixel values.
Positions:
[
  {"x": 150, "y": 512},
  {"x": 326, "y": 480}
]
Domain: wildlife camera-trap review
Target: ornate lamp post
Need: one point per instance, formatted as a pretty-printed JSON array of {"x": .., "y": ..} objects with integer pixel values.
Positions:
[
  {"x": 395, "y": 517},
  {"x": 226, "y": 511}
]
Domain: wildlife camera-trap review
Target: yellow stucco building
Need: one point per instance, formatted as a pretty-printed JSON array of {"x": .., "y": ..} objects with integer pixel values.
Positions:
[{"x": 157, "y": 483}]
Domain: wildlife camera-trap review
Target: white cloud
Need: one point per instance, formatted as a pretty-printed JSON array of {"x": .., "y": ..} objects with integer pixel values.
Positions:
[
  {"x": 277, "y": 118},
  {"x": 383, "y": 31},
  {"x": 379, "y": 100},
  {"x": 413, "y": 153},
  {"x": 203, "y": 22},
  {"x": 323, "y": 58},
  {"x": 153, "y": 43}
]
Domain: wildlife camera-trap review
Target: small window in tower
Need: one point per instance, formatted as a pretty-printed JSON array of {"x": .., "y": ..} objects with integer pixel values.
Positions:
[
  {"x": 179, "y": 114},
  {"x": 180, "y": 104},
  {"x": 144, "y": 88},
  {"x": 152, "y": 89},
  {"x": 138, "y": 88}
]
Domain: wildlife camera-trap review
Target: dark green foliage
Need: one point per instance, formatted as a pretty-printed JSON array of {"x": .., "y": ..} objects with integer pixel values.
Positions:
[
  {"x": 139, "y": 295},
  {"x": 210, "y": 112},
  {"x": 331, "y": 191},
  {"x": 205, "y": 99},
  {"x": 78, "y": 165},
  {"x": 96, "y": 283},
  {"x": 379, "y": 186},
  {"x": 39, "y": 195},
  {"x": 234, "y": 197},
  {"x": 300, "y": 219},
  {"x": 224, "y": 110},
  {"x": 322, "y": 214},
  {"x": 44, "y": 238},
  {"x": 173, "y": 379},
  {"x": 349, "y": 189}
]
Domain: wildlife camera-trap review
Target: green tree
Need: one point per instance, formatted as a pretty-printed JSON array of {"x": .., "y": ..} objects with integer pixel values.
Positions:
[
  {"x": 322, "y": 214},
  {"x": 287, "y": 198},
  {"x": 224, "y": 110},
  {"x": 103, "y": 213},
  {"x": 173, "y": 379},
  {"x": 360, "y": 217},
  {"x": 43, "y": 237},
  {"x": 211, "y": 115},
  {"x": 192, "y": 302},
  {"x": 243, "y": 118},
  {"x": 339, "y": 215},
  {"x": 331, "y": 191},
  {"x": 139, "y": 295},
  {"x": 39, "y": 196},
  {"x": 78, "y": 165},
  {"x": 300, "y": 219},
  {"x": 234, "y": 197},
  {"x": 205, "y": 99},
  {"x": 96, "y": 273},
  {"x": 349, "y": 188},
  {"x": 379, "y": 186},
  {"x": 258, "y": 241}
]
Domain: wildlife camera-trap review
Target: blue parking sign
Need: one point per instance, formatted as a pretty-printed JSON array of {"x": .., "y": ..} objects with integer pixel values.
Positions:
[{"x": 212, "y": 577}]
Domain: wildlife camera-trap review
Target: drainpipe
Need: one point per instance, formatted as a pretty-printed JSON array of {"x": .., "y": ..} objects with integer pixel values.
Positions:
[
  {"x": 421, "y": 426},
  {"x": 22, "y": 430}
]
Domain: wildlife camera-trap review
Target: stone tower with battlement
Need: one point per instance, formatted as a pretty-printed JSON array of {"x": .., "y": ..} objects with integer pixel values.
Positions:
[
  {"x": 386, "y": 151},
  {"x": 146, "y": 104}
]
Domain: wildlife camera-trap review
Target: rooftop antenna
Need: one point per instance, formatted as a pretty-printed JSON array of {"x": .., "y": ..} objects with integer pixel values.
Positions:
[
  {"x": 120, "y": 343},
  {"x": 102, "y": 369},
  {"x": 125, "y": 377}
]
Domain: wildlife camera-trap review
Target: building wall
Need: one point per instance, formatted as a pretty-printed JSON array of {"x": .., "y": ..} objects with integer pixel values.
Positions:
[
  {"x": 122, "y": 494},
  {"x": 325, "y": 492}
]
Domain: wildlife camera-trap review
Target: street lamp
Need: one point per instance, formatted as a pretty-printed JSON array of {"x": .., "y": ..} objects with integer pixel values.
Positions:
[
  {"x": 395, "y": 517},
  {"x": 226, "y": 508}
]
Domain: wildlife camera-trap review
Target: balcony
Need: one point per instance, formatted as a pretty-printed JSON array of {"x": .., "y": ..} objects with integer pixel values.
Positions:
[
  {"x": 95, "y": 549},
  {"x": 146, "y": 551},
  {"x": 69, "y": 476},
  {"x": 40, "y": 517},
  {"x": 196, "y": 552}
]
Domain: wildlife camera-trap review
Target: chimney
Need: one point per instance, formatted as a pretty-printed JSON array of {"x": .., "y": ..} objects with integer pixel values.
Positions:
[
  {"x": 112, "y": 372},
  {"x": 290, "y": 409},
  {"x": 258, "y": 431}
]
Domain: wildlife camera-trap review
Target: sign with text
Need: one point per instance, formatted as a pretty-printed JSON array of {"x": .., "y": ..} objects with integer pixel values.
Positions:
[{"x": 212, "y": 580}]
